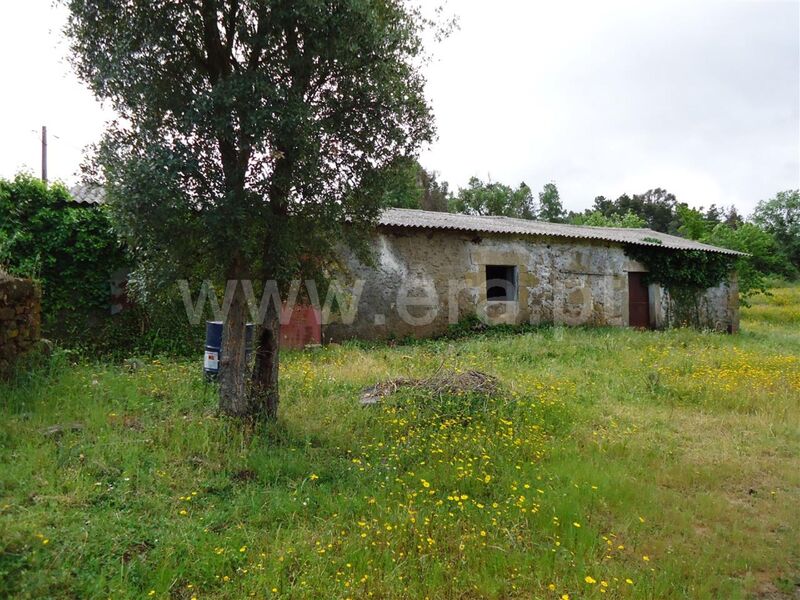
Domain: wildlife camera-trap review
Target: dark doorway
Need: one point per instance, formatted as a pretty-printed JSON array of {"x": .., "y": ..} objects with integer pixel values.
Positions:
[{"x": 638, "y": 301}]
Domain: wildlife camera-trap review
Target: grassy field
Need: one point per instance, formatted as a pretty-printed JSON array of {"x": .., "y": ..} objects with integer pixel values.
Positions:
[{"x": 612, "y": 464}]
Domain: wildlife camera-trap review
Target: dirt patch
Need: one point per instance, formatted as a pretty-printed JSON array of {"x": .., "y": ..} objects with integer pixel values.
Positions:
[
  {"x": 138, "y": 550},
  {"x": 244, "y": 475},
  {"x": 442, "y": 382},
  {"x": 126, "y": 422}
]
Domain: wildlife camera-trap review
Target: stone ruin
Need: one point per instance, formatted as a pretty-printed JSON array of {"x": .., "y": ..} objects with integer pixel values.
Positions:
[{"x": 20, "y": 319}]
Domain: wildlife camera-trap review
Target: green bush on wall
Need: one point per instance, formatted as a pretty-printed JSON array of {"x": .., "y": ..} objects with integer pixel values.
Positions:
[
  {"x": 68, "y": 247},
  {"x": 72, "y": 250}
]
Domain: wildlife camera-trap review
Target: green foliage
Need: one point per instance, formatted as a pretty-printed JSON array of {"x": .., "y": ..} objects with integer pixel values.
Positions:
[
  {"x": 253, "y": 131},
  {"x": 594, "y": 423},
  {"x": 436, "y": 194},
  {"x": 725, "y": 228},
  {"x": 409, "y": 185},
  {"x": 685, "y": 274},
  {"x": 766, "y": 258},
  {"x": 598, "y": 219},
  {"x": 403, "y": 187},
  {"x": 68, "y": 247},
  {"x": 72, "y": 251},
  {"x": 489, "y": 198},
  {"x": 780, "y": 216},
  {"x": 661, "y": 211},
  {"x": 550, "y": 207},
  {"x": 253, "y": 141},
  {"x": 652, "y": 240},
  {"x": 657, "y": 207},
  {"x": 151, "y": 329},
  {"x": 693, "y": 224},
  {"x": 766, "y": 255}
]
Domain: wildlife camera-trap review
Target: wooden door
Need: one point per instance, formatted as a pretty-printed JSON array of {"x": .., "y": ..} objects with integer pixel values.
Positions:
[{"x": 638, "y": 301}]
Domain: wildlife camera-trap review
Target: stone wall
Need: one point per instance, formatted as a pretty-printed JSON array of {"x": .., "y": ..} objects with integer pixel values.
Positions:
[
  {"x": 20, "y": 318},
  {"x": 717, "y": 309},
  {"x": 580, "y": 282}
]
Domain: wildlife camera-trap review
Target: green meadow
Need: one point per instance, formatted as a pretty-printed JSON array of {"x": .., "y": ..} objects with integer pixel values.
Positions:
[{"x": 610, "y": 463}]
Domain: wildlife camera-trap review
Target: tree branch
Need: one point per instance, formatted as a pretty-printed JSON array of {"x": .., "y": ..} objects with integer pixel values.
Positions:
[
  {"x": 258, "y": 43},
  {"x": 219, "y": 66},
  {"x": 230, "y": 27}
]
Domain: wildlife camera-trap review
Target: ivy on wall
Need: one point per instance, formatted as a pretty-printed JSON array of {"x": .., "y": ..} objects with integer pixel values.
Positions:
[
  {"x": 68, "y": 247},
  {"x": 71, "y": 250},
  {"x": 685, "y": 275}
]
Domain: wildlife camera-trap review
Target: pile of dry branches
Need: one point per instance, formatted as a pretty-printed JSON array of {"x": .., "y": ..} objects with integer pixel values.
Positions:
[{"x": 441, "y": 382}]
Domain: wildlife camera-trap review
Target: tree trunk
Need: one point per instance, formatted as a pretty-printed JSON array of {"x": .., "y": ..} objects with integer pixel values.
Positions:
[
  {"x": 264, "y": 392},
  {"x": 233, "y": 399}
]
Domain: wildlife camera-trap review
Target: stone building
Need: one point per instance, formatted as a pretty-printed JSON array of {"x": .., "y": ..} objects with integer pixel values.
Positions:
[
  {"x": 434, "y": 269},
  {"x": 431, "y": 270}
]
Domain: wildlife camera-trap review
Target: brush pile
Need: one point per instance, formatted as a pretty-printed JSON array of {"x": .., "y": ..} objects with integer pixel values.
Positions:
[{"x": 440, "y": 383}]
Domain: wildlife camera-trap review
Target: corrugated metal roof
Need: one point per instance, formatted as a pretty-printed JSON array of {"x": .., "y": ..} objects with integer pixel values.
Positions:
[
  {"x": 423, "y": 219},
  {"x": 88, "y": 193}
]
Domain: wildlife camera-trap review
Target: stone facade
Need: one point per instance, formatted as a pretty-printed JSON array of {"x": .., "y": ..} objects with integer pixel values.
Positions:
[
  {"x": 423, "y": 280},
  {"x": 717, "y": 309},
  {"x": 20, "y": 318}
]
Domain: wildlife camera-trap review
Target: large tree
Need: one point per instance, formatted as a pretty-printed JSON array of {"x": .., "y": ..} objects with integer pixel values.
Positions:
[
  {"x": 656, "y": 206},
  {"x": 780, "y": 216},
  {"x": 550, "y": 207},
  {"x": 765, "y": 254},
  {"x": 492, "y": 198},
  {"x": 409, "y": 185},
  {"x": 251, "y": 140}
]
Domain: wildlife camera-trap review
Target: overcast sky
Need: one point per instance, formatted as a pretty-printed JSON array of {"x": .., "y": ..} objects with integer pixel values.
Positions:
[{"x": 700, "y": 97}]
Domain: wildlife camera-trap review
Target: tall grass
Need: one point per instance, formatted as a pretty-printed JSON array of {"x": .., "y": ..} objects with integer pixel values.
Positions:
[{"x": 611, "y": 463}]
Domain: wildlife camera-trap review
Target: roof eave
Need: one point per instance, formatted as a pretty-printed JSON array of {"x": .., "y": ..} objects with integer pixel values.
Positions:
[{"x": 559, "y": 235}]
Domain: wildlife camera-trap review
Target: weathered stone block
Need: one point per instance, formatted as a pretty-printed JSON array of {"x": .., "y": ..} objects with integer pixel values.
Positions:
[{"x": 20, "y": 316}]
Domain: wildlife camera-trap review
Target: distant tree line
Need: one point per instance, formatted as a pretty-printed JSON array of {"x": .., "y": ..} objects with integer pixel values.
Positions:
[
  {"x": 771, "y": 234},
  {"x": 412, "y": 186}
]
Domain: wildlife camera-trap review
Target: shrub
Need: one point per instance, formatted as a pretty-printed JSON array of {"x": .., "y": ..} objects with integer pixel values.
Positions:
[
  {"x": 68, "y": 247},
  {"x": 72, "y": 250},
  {"x": 767, "y": 257}
]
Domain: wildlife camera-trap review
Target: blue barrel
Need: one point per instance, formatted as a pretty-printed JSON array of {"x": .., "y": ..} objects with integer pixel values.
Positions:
[{"x": 213, "y": 351}]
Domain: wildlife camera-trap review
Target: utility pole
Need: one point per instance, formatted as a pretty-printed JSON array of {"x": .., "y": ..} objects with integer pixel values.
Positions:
[{"x": 44, "y": 154}]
